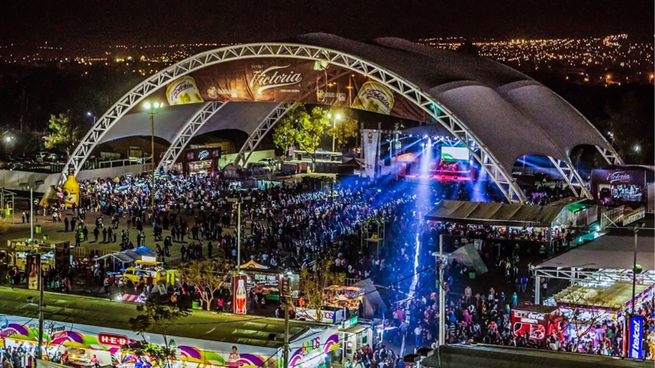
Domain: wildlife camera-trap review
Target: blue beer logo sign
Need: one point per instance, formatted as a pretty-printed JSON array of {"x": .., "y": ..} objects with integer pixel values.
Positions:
[
  {"x": 636, "y": 328},
  {"x": 203, "y": 155}
]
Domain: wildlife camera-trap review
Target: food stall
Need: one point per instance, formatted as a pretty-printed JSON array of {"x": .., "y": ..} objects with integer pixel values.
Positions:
[
  {"x": 266, "y": 282},
  {"x": 537, "y": 321},
  {"x": 349, "y": 297},
  {"x": 54, "y": 254},
  {"x": 588, "y": 309}
]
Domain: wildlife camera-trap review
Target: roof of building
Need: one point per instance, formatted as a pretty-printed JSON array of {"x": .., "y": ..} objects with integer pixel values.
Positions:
[
  {"x": 497, "y": 103},
  {"x": 224, "y": 327},
  {"x": 488, "y": 213},
  {"x": 613, "y": 250},
  {"x": 614, "y": 297},
  {"x": 494, "y": 356}
]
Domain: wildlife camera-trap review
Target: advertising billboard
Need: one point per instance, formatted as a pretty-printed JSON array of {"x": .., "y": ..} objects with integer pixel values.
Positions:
[
  {"x": 239, "y": 294},
  {"x": 452, "y": 154},
  {"x": 288, "y": 80},
  {"x": 106, "y": 344},
  {"x": 636, "y": 331},
  {"x": 618, "y": 186},
  {"x": 32, "y": 270}
]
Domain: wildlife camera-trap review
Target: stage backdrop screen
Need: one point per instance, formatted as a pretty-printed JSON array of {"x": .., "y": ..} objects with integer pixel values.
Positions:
[{"x": 453, "y": 154}]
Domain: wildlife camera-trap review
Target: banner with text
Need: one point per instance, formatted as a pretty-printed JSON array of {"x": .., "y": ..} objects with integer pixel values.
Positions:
[
  {"x": 288, "y": 80},
  {"x": 371, "y": 139}
]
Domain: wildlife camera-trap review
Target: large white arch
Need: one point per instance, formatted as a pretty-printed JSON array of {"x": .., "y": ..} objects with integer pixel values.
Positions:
[
  {"x": 391, "y": 80},
  {"x": 262, "y": 129},
  {"x": 187, "y": 132}
]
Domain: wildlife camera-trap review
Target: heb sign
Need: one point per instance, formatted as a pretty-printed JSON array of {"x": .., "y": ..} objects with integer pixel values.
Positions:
[{"x": 112, "y": 340}]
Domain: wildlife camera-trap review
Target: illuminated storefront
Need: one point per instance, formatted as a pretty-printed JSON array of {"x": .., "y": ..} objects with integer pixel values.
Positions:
[{"x": 200, "y": 160}]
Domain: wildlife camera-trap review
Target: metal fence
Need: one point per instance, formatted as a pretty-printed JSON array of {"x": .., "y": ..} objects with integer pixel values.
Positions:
[{"x": 613, "y": 217}]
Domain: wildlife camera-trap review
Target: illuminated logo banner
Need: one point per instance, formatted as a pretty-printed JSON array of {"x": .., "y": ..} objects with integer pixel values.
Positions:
[
  {"x": 288, "y": 80},
  {"x": 636, "y": 331}
]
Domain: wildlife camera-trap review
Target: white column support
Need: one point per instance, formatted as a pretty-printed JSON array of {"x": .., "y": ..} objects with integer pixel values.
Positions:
[
  {"x": 537, "y": 289},
  {"x": 572, "y": 178},
  {"x": 187, "y": 132},
  {"x": 489, "y": 163}
]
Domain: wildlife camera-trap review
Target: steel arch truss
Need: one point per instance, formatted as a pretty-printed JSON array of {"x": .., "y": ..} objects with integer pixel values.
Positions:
[
  {"x": 610, "y": 155},
  {"x": 391, "y": 80},
  {"x": 188, "y": 131},
  {"x": 262, "y": 129},
  {"x": 572, "y": 178}
]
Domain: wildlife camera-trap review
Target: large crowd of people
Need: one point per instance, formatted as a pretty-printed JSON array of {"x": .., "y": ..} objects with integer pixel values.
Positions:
[{"x": 301, "y": 221}]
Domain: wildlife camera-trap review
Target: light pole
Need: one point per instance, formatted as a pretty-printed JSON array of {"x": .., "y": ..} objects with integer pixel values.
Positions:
[
  {"x": 634, "y": 281},
  {"x": 337, "y": 116},
  {"x": 92, "y": 115},
  {"x": 442, "y": 295},
  {"x": 238, "y": 229},
  {"x": 31, "y": 188},
  {"x": 152, "y": 110},
  {"x": 634, "y": 269}
]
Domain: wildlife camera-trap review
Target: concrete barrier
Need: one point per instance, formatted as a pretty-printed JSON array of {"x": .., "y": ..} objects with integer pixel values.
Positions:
[{"x": 11, "y": 179}]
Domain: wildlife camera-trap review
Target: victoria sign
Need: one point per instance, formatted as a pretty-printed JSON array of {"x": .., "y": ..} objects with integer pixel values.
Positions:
[{"x": 288, "y": 81}]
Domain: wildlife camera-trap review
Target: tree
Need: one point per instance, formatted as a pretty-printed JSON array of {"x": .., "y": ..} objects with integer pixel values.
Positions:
[
  {"x": 310, "y": 130},
  {"x": 284, "y": 135},
  {"x": 208, "y": 275},
  {"x": 314, "y": 281},
  {"x": 301, "y": 128},
  {"x": 629, "y": 127},
  {"x": 159, "y": 316},
  {"x": 65, "y": 134},
  {"x": 344, "y": 129}
]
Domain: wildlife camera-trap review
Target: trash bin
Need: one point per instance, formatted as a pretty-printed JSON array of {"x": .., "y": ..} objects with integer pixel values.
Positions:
[
  {"x": 195, "y": 305},
  {"x": 45, "y": 237},
  {"x": 37, "y": 229}
]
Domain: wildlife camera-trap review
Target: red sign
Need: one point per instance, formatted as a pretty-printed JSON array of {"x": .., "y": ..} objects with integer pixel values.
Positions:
[
  {"x": 112, "y": 340},
  {"x": 239, "y": 294}
]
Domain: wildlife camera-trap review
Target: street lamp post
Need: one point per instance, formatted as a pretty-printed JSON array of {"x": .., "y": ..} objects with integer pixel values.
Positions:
[
  {"x": 632, "y": 313},
  {"x": 31, "y": 188},
  {"x": 152, "y": 109},
  {"x": 238, "y": 229},
  {"x": 92, "y": 115},
  {"x": 337, "y": 116},
  {"x": 40, "y": 279}
]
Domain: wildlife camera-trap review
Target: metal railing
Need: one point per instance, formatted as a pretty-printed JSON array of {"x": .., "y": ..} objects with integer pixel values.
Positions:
[
  {"x": 80, "y": 252},
  {"x": 612, "y": 217},
  {"x": 97, "y": 164}
]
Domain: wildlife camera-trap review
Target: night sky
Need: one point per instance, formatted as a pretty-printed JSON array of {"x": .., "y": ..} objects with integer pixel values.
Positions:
[{"x": 85, "y": 22}]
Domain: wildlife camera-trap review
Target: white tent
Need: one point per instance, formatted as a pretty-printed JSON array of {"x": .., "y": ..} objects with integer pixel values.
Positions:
[{"x": 469, "y": 256}]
